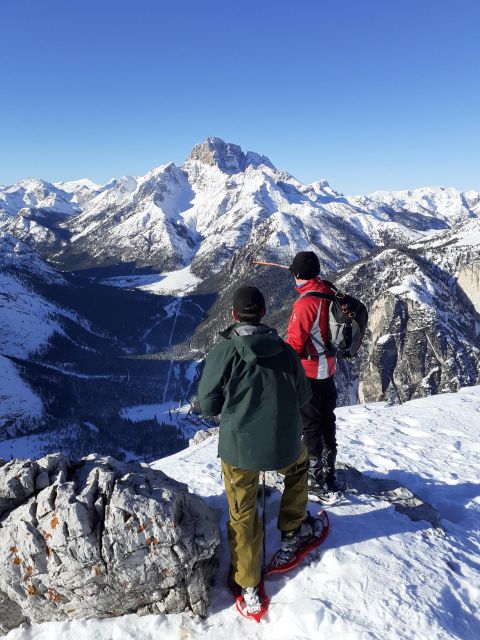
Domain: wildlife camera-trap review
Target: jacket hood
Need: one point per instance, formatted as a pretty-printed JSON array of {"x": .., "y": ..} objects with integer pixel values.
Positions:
[{"x": 253, "y": 341}]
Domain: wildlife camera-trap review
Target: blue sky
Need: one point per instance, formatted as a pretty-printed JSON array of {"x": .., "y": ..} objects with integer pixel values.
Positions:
[{"x": 370, "y": 94}]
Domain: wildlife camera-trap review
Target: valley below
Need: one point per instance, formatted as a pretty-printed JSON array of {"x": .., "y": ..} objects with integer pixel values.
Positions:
[{"x": 111, "y": 295}]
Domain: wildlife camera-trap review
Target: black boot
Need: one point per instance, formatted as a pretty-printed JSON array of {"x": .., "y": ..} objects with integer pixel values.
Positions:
[
  {"x": 329, "y": 457},
  {"x": 315, "y": 473}
]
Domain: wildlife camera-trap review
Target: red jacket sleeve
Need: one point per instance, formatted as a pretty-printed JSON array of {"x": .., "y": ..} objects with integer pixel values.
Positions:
[{"x": 304, "y": 314}]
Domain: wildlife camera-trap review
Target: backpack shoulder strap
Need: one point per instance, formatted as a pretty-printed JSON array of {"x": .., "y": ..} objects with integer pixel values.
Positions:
[
  {"x": 318, "y": 294},
  {"x": 331, "y": 285}
]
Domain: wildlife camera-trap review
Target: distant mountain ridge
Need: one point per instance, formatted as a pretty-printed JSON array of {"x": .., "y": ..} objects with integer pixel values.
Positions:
[{"x": 204, "y": 211}]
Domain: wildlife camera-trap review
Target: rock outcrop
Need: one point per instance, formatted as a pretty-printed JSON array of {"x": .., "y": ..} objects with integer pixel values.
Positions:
[
  {"x": 423, "y": 319},
  {"x": 203, "y": 434},
  {"x": 228, "y": 157},
  {"x": 100, "y": 538}
]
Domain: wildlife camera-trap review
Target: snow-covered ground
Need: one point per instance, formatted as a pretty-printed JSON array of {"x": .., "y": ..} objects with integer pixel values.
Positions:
[
  {"x": 379, "y": 575},
  {"x": 179, "y": 282},
  {"x": 25, "y": 446},
  {"x": 163, "y": 412}
]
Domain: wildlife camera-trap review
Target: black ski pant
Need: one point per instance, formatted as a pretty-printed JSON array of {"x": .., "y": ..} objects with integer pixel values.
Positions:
[{"x": 319, "y": 430}]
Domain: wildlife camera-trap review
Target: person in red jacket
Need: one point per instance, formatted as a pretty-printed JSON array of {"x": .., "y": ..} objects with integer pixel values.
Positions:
[{"x": 308, "y": 334}]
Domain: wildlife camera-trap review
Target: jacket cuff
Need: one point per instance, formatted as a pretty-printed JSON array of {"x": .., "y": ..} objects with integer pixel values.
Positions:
[{"x": 211, "y": 406}]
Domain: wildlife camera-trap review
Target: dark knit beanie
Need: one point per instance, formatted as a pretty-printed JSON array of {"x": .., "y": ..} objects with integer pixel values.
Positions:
[
  {"x": 305, "y": 265},
  {"x": 248, "y": 301}
]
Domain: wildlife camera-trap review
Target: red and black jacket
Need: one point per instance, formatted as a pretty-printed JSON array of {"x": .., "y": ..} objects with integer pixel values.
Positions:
[{"x": 308, "y": 330}]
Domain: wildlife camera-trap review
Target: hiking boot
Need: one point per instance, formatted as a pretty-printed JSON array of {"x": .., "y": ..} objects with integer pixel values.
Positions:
[
  {"x": 328, "y": 460},
  {"x": 330, "y": 493},
  {"x": 251, "y": 597},
  {"x": 293, "y": 540},
  {"x": 333, "y": 485},
  {"x": 320, "y": 483}
]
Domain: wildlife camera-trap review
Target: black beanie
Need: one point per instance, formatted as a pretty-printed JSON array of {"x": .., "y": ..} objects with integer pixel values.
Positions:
[
  {"x": 305, "y": 265},
  {"x": 248, "y": 301}
]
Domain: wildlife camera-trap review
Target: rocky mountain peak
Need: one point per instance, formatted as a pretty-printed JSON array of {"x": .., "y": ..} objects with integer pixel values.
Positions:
[{"x": 228, "y": 157}]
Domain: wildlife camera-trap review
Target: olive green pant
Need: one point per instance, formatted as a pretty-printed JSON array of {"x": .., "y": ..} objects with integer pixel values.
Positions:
[{"x": 245, "y": 535}]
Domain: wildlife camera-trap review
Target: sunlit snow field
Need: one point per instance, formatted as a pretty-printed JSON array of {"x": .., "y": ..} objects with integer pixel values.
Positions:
[{"x": 379, "y": 575}]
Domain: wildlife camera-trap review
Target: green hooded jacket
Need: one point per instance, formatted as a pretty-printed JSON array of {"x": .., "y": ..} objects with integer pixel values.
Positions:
[{"x": 256, "y": 382}]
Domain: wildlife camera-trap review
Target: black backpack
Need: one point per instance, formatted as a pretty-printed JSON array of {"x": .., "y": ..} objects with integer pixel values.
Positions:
[{"x": 347, "y": 319}]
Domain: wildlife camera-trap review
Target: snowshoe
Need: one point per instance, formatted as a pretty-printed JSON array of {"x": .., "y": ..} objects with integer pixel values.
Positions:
[
  {"x": 299, "y": 543},
  {"x": 251, "y": 602}
]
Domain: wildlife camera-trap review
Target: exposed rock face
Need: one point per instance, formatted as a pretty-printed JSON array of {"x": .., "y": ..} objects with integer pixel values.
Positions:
[
  {"x": 228, "y": 157},
  {"x": 203, "y": 434},
  {"x": 468, "y": 283},
  {"x": 421, "y": 332},
  {"x": 99, "y": 538}
]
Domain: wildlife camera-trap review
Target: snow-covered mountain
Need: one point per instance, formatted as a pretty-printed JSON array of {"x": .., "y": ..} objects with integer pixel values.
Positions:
[
  {"x": 33, "y": 210},
  {"x": 424, "y": 317},
  {"x": 219, "y": 200},
  {"x": 33, "y": 194},
  {"x": 438, "y": 207},
  {"x": 195, "y": 230},
  {"x": 380, "y": 573}
]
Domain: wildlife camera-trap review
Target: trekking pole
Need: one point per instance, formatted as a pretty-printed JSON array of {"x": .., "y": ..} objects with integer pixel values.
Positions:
[
  {"x": 263, "y": 520},
  {"x": 271, "y": 264}
]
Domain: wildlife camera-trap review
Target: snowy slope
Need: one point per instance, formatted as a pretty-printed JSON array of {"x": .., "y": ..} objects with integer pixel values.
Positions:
[
  {"x": 17, "y": 400},
  {"x": 28, "y": 322},
  {"x": 379, "y": 575}
]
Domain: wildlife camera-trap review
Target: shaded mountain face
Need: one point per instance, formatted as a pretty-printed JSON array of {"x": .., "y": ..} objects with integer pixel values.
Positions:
[{"x": 412, "y": 256}]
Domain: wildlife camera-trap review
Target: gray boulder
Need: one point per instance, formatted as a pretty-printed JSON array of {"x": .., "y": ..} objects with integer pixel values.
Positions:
[{"x": 99, "y": 538}]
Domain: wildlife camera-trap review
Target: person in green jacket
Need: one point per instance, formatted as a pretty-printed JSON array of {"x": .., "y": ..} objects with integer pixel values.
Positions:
[{"x": 256, "y": 382}]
